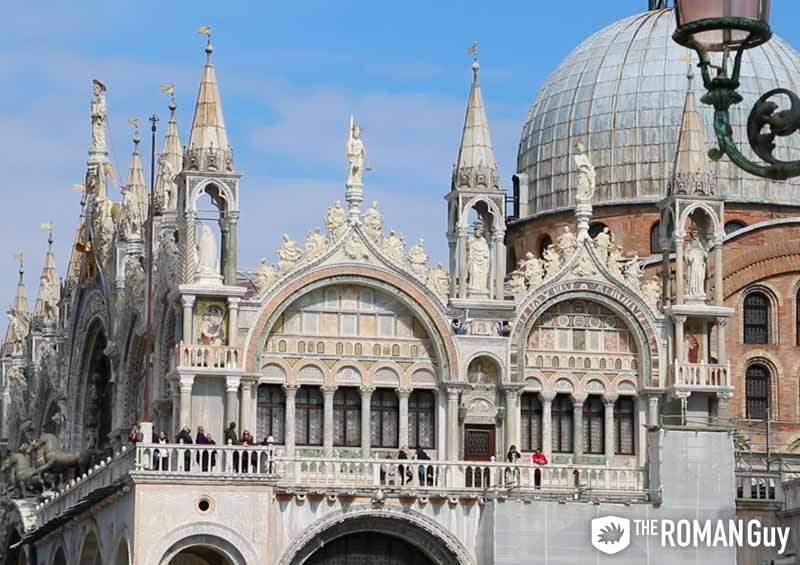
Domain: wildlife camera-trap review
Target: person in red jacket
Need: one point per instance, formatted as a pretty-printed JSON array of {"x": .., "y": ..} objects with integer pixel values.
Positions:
[{"x": 538, "y": 458}]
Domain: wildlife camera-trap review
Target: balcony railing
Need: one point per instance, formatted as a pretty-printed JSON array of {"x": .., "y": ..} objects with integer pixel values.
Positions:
[
  {"x": 701, "y": 375},
  {"x": 763, "y": 487},
  {"x": 207, "y": 461},
  {"x": 208, "y": 357}
]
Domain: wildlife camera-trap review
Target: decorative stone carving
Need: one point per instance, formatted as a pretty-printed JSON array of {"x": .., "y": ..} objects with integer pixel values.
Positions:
[
  {"x": 355, "y": 249},
  {"x": 567, "y": 244},
  {"x": 133, "y": 213},
  {"x": 336, "y": 221},
  {"x": 418, "y": 259},
  {"x": 166, "y": 188},
  {"x": 633, "y": 272},
  {"x": 602, "y": 245},
  {"x": 372, "y": 220},
  {"x": 265, "y": 276},
  {"x": 315, "y": 244},
  {"x": 614, "y": 262},
  {"x": 552, "y": 261},
  {"x": 99, "y": 116},
  {"x": 439, "y": 281},
  {"x": 356, "y": 156},
  {"x": 696, "y": 258},
  {"x": 18, "y": 328},
  {"x": 478, "y": 263},
  {"x": 651, "y": 290},
  {"x": 394, "y": 246},
  {"x": 208, "y": 257},
  {"x": 584, "y": 267},
  {"x": 289, "y": 254},
  {"x": 587, "y": 176},
  {"x": 516, "y": 281},
  {"x": 534, "y": 273}
]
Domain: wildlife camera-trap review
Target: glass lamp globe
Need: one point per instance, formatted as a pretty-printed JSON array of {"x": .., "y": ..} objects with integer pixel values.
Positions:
[{"x": 721, "y": 25}]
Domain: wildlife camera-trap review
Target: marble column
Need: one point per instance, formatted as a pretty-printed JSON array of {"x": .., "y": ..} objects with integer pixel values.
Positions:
[
  {"x": 188, "y": 309},
  {"x": 723, "y": 406},
  {"x": 610, "y": 445},
  {"x": 652, "y": 411},
  {"x": 186, "y": 384},
  {"x": 722, "y": 353},
  {"x": 547, "y": 422},
  {"x": 718, "y": 273},
  {"x": 680, "y": 283},
  {"x": 512, "y": 411},
  {"x": 452, "y": 243},
  {"x": 290, "y": 390},
  {"x": 246, "y": 407},
  {"x": 499, "y": 266},
  {"x": 328, "y": 391},
  {"x": 402, "y": 396},
  {"x": 452, "y": 424},
  {"x": 175, "y": 390},
  {"x": 232, "y": 401},
  {"x": 233, "y": 321},
  {"x": 577, "y": 425},
  {"x": 680, "y": 354},
  {"x": 463, "y": 268},
  {"x": 230, "y": 249},
  {"x": 366, "y": 420}
]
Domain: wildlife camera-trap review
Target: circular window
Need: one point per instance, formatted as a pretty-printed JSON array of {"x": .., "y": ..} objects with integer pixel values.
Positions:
[{"x": 204, "y": 505}]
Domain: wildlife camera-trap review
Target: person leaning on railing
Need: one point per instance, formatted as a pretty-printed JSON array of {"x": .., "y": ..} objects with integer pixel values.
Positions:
[
  {"x": 161, "y": 455},
  {"x": 185, "y": 437}
]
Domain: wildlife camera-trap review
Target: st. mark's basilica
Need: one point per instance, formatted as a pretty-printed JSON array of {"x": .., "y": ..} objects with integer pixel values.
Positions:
[{"x": 622, "y": 310}]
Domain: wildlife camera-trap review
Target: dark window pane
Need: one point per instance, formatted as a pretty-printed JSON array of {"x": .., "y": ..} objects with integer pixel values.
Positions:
[
  {"x": 623, "y": 422},
  {"x": 757, "y": 392},
  {"x": 421, "y": 420},
  {"x": 756, "y": 318}
]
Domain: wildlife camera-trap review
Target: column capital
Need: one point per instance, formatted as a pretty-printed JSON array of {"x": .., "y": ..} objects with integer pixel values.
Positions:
[
  {"x": 652, "y": 401},
  {"x": 548, "y": 396},
  {"x": 578, "y": 400},
  {"x": 186, "y": 382},
  {"x": 188, "y": 300},
  {"x": 233, "y": 302},
  {"x": 290, "y": 389},
  {"x": 679, "y": 319},
  {"x": 453, "y": 393},
  {"x": 725, "y": 396},
  {"x": 610, "y": 399},
  {"x": 232, "y": 384},
  {"x": 722, "y": 322},
  {"x": 512, "y": 393},
  {"x": 404, "y": 391},
  {"x": 367, "y": 390},
  {"x": 328, "y": 390}
]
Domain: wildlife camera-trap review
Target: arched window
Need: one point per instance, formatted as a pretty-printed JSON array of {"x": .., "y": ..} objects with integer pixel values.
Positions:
[
  {"x": 623, "y": 426},
  {"x": 757, "y": 392},
  {"x": 544, "y": 243},
  {"x": 562, "y": 424},
  {"x": 421, "y": 420},
  {"x": 756, "y": 318},
  {"x": 346, "y": 417},
  {"x": 595, "y": 228},
  {"x": 531, "y": 413},
  {"x": 270, "y": 412},
  {"x": 594, "y": 429},
  {"x": 655, "y": 236},
  {"x": 308, "y": 416},
  {"x": 733, "y": 226},
  {"x": 384, "y": 418}
]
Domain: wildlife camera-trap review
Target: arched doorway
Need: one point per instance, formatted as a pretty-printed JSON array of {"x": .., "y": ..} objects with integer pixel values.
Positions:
[
  {"x": 200, "y": 555},
  {"x": 90, "y": 554},
  {"x": 368, "y": 548},
  {"x": 60, "y": 558}
]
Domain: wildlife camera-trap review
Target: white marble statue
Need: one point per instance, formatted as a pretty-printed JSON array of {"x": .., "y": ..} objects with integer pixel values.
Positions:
[
  {"x": 587, "y": 176},
  {"x": 614, "y": 262},
  {"x": 567, "y": 243},
  {"x": 651, "y": 290},
  {"x": 552, "y": 261},
  {"x": 696, "y": 259},
  {"x": 372, "y": 220},
  {"x": 18, "y": 326},
  {"x": 418, "y": 259},
  {"x": 356, "y": 155},
  {"x": 207, "y": 254},
  {"x": 265, "y": 276},
  {"x": 394, "y": 246},
  {"x": 166, "y": 188},
  {"x": 532, "y": 267},
  {"x": 50, "y": 295},
  {"x": 134, "y": 212},
  {"x": 289, "y": 254},
  {"x": 602, "y": 245},
  {"x": 633, "y": 272},
  {"x": 99, "y": 116},
  {"x": 355, "y": 248},
  {"x": 315, "y": 244},
  {"x": 516, "y": 280},
  {"x": 336, "y": 221},
  {"x": 478, "y": 263},
  {"x": 439, "y": 280}
]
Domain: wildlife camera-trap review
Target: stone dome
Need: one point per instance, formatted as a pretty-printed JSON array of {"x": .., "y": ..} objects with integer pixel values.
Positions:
[{"x": 622, "y": 92}]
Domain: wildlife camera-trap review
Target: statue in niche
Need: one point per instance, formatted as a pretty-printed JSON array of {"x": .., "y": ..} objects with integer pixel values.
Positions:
[
  {"x": 532, "y": 267},
  {"x": 315, "y": 244},
  {"x": 614, "y": 262},
  {"x": 478, "y": 262},
  {"x": 289, "y": 254},
  {"x": 394, "y": 246},
  {"x": 633, "y": 272},
  {"x": 211, "y": 325},
  {"x": 356, "y": 155},
  {"x": 336, "y": 220},
  {"x": 418, "y": 259},
  {"x": 50, "y": 295},
  {"x": 439, "y": 280},
  {"x": 207, "y": 252},
  {"x": 552, "y": 261},
  {"x": 134, "y": 212},
  {"x": 567, "y": 243},
  {"x": 651, "y": 290},
  {"x": 18, "y": 326},
  {"x": 99, "y": 116},
  {"x": 373, "y": 222},
  {"x": 516, "y": 280},
  {"x": 265, "y": 276},
  {"x": 696, "y": 258},
  {"x": 166, "y": 188},
  {"x": 603, "y": 244},
  {"x": 478, "y": 376},
  {"x": 92, "y": 410},
  {"x": 587, "y": 176}
]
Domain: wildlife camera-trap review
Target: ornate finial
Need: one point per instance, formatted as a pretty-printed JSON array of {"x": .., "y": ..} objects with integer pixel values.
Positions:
[
  {"x": 476, "y": 65},
  {"x": 206, "y": 30},
  {"x": 19, "y": 256},
  {"x": 170, "y": 89},
  {"x": 134, "y": 123},
  {"x": 49, "y": 228}
]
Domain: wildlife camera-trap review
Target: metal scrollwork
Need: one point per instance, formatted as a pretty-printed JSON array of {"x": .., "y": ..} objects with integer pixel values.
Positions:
[{"x": 781, "y": 123}]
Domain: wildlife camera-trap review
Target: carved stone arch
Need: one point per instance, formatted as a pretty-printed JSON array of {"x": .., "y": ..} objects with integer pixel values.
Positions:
[
  {"x": 295, "y": 374},
  {"x": 122, "y": 548},
  {"x": 223, "y": 539},
  {"x": 500, "y": 363},
  {"x": 775, "y": 303},
  {"x": 637, "y": 316},
  {"x": 429, "y": 312},
  {"x": 427, "y": 535},
  {"x": 384, "y": 366},
  {"x": 718, "y": 229},
  {"x": 345, "y": 368},
  {"x": 90, "y": 551},
  {"x": 59, "y": 556},
  {"x": 498, "y": 225},
  {"x": 225, "y": 200},
  {"x": 12, "y": 530},
  {"x": 278, "y": 362}
]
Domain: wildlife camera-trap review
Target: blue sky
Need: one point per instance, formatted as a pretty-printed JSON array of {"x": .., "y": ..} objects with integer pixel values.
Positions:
[{"x": 290, "y": 74}]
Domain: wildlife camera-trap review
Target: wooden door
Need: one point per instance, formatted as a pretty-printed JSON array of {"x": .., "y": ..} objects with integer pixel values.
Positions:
[{"x": 478, "y": 442}]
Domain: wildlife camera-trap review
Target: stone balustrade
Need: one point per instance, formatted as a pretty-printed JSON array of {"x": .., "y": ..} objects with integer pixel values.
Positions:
[
  {"x": 760, "y": 487},
  {"x": 701, "y": 375},
  {"x": 208, "y": 357},
  {"x": 228, "y": 461}
]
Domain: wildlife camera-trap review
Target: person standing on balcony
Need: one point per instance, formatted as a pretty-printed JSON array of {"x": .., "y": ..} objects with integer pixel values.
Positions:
[
  {"x": 405, "y": 472},
  {"x": 248, "y": 440},
  {"x": 185, "y": 437},
  {"x": 425, "y": 471},
  {"x": 230, "y": 435},
  {"x": 202, "y": 439},
  {"x": 539, "y": 458},
  {"x": 161, "y": 455},
  {"x": 513, "y": 455}
]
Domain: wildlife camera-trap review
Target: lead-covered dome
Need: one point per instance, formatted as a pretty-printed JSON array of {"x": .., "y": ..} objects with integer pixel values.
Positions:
[{"x": 622, "y": 92}]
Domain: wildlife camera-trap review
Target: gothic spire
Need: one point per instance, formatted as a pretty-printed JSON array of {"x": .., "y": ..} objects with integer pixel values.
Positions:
[
  {"x": 172, "y": 151},
  {"x": 476, "y": 166},
  {"x": 18, "y": 317},
  {"x": 49, "y": 295},
  {"x": 208, "y": 147},
  {"x": 21, "y": 298},
  {"x": 135, "y": 198}
]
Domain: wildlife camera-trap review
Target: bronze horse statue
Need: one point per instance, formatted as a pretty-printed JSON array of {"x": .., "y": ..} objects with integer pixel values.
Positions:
[
  {"x": 50, "y": 458},
  {"x": 20, "y": 473}
]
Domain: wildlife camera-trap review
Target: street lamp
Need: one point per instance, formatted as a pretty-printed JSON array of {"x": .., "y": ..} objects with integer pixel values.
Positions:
[{"x": 731, "y": 27}]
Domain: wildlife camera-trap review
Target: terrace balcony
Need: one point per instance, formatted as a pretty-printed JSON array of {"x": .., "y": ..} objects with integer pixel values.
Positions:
[
  {"x": 700, "y": 377},
  {"x": 209, "y": 358}
]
